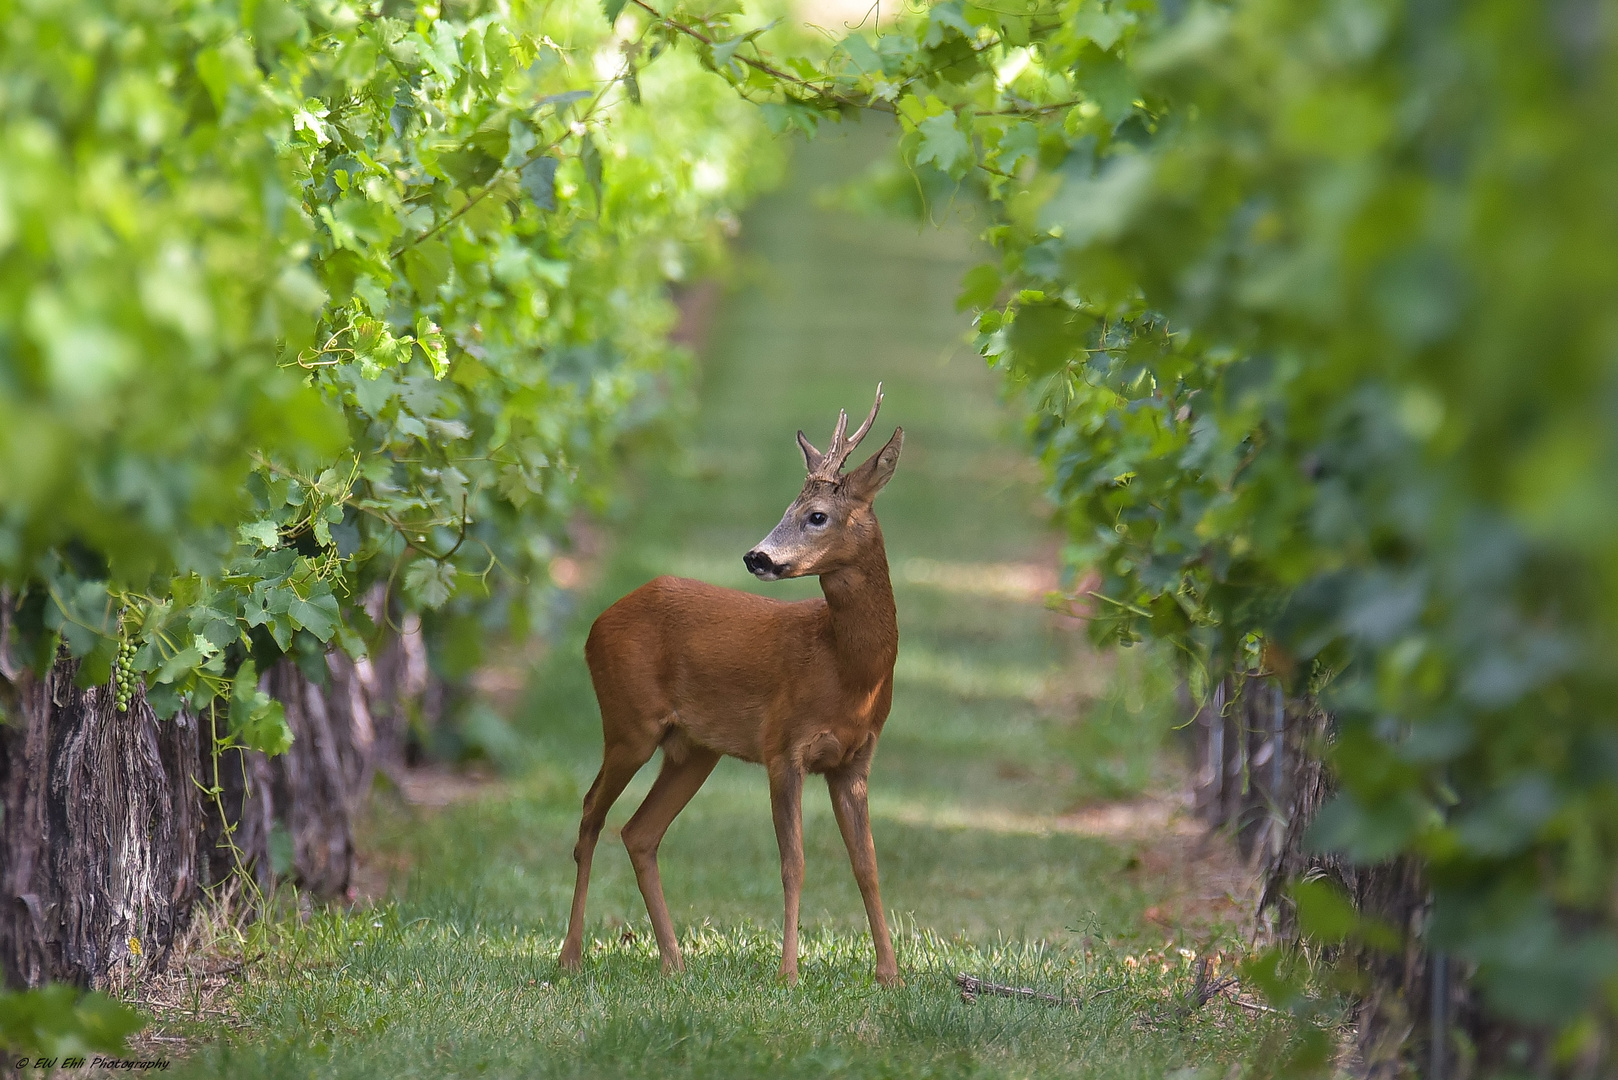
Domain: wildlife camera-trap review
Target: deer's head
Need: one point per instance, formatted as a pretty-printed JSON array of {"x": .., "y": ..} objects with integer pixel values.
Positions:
[{"x": 830, "y": 523}]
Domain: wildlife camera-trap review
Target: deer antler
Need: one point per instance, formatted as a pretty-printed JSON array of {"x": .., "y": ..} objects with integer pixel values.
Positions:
[{"x": 828, "y": 466}]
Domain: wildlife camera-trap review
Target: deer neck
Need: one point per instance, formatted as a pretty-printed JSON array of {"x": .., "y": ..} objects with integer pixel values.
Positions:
[{"x": 864, "y": 621}]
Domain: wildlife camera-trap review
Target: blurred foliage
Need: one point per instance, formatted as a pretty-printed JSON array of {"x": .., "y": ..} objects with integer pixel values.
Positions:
[
  {"x": 1317, "y": 308},
  {"x": 303, "y": 300},
  {"x": 1116, "y": 742},
  {"x": 59, "y": 1019}
]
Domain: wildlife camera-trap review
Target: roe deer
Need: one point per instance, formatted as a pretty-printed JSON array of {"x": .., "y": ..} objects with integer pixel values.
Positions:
[{"x": 803, "y": 687}]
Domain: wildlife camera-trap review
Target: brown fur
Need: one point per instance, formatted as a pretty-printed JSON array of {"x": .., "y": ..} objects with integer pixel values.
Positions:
[{"x": 803, "y": 687}]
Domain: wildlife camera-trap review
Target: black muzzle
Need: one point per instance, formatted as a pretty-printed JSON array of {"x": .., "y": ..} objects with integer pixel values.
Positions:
[{"x": 759, "y": 564}]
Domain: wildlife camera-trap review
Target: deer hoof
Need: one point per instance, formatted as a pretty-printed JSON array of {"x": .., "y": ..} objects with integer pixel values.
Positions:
[
  {"x": 788, "y": 977},
  {"x": 674, "y": 965},
  {"x": 570, "y": 959},
  {"x": 889, "y": 980}
]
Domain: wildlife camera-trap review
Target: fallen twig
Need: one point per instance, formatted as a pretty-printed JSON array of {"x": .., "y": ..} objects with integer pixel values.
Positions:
[
  {"x": 972, "y": 987},
  {"x": 1205, "y": 989},
  {"x": 1253, "y": 1005},
  {"x": 234, "y": 967}
]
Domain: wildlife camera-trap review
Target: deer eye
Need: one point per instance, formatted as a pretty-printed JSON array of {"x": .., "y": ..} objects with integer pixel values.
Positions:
[{"x": 817, "y": 518}]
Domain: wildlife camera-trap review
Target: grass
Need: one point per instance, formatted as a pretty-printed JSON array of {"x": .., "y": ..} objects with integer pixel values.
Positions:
[{"x": 455, "y": 974}]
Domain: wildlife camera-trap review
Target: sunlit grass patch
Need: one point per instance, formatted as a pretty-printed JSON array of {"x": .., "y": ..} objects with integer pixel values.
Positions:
[
  {"x": 374, "y": 993},
  {"x": 1117, "y": 740},
  {"x": 1004, "y": 581},
  {"x": 967, "y": 677}
]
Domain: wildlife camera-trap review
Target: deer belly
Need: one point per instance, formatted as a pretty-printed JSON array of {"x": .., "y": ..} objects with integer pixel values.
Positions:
[
  {"x": 730, "y": 732},
  {"x": 723, "y": 705}
]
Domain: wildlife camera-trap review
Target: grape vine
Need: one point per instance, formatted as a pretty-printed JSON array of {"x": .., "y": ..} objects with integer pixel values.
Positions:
[{"x": 376, "y": 290}]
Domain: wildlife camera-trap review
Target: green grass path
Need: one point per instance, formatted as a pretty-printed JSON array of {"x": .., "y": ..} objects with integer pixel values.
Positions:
[{"x": 457, "y": 976}]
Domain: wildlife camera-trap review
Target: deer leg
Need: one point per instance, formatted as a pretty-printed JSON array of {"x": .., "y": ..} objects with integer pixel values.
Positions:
[
  {"x": 618, "y": 766},
  {"x": 786, "y": 801},
  {"x": 684, "y": 770},
  {"x": 848, "y": 801}
]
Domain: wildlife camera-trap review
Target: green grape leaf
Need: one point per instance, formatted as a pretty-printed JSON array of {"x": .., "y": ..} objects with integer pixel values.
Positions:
[
  {"x": 539, "y": 182},
  {"x": 1045, "y": 336},
  {"x": 1018, "y": 144},
  {"x": 1105, "y": 80},
  {"x": 861, "y": 55},
  {"x": 430, "y": 583},
  {"x": 944, "y": 144},
  {"x": 186, "y": 660},
  {"x": 257, "y": 720},
  {"x": 280, "y": 628},
  {"x": 1325, "y": 913},
  {"x": 431, "y": 340},
  {"x": 979, "y": 287},
  {"x": 427, "y": 266},
  {"x": 164, "y": 701},
  {"x": 264, "y": 534},
  {"x": 319, "y": 615},
  {"x": 723, "y": 53},
  {"x": 267, "y": 730},
  {"x": 1102, "y": 27},
  {"x": 95, "y": 667},
  {"x": 1088, "y": 209}
]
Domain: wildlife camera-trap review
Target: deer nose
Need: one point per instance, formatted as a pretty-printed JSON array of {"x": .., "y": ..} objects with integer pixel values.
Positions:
[{"x": 759, "y": 563}]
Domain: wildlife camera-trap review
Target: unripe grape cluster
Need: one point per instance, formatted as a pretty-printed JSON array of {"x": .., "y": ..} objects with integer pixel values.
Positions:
[{"x": 123, "y": 673}]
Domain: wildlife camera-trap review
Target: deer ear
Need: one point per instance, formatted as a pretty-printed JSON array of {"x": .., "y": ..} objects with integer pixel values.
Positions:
[
  {"x": 871, "y": 477},
  {"x": 811, "y": 456}
]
